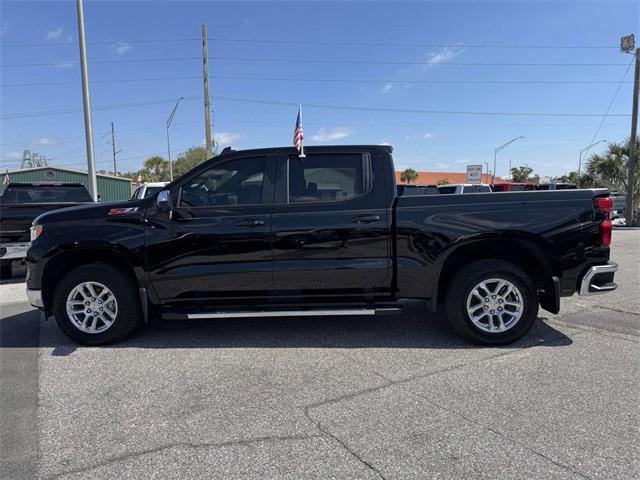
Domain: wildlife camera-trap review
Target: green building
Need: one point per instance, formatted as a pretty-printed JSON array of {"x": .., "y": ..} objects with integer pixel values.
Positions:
[{"x": 109, "y": 188}]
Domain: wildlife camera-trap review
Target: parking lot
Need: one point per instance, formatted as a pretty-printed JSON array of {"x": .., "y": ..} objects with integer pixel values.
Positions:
[{"x": 390, "y": 397}]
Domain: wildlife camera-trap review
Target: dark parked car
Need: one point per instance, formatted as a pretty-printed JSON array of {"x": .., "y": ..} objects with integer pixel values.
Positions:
[
  {"x": 417, "y": 190},
  {"x": 261, "y": 233},
  {"x": 556, "y": 186},
  {"x": 20, "y": 204}
]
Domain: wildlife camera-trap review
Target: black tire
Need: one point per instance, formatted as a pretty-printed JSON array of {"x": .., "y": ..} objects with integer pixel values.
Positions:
[
  {"x": 5, "y": 270},
  {"x": 466, "y": 280},
  {"x": 124, "y": 290}
]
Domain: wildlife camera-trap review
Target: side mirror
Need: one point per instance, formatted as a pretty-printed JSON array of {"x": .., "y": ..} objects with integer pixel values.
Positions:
[{"x": 164, "y": 201}]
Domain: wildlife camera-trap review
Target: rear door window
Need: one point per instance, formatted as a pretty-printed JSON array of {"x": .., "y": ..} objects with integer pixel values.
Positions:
[{"x": 329, "y": 177}]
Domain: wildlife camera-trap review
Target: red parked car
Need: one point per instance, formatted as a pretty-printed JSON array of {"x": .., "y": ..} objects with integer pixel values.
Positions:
[{"x": 512, "y": 187}]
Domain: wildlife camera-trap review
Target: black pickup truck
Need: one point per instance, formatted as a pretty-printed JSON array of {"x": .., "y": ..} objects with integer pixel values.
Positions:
[
  {"x": 263, "y": 233},
  {"x": 20, "y": 204}
]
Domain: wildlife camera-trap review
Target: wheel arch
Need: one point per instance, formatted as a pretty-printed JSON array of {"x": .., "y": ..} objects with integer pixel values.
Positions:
[
  {"x": 64, "y": 262},
  {"x": 518, "y": 249}
]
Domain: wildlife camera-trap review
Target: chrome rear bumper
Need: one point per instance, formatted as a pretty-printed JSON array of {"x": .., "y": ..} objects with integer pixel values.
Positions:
[{"x": 599, "y": 279}]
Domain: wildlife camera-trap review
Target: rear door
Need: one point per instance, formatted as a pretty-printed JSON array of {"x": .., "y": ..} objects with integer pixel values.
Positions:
[
  {"x": 331, "y": 227},
  {"x": 217, "y": 243}
]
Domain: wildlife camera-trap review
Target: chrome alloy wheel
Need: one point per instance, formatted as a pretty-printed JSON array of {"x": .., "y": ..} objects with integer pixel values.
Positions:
[
  {"x": 92, "y": 307},
  {"x": 495, "y": 305}
]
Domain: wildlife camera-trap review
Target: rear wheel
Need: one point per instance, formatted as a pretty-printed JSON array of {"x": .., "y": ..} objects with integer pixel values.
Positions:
[
  {"x": 492, "y": 302},
  {"x": 96, "y": 304}
]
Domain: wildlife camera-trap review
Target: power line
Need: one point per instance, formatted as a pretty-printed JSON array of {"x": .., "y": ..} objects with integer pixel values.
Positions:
[
  {"x": 147, "y": 127},
  {"x": 316, "y": 105},
  {"x": 509, "y": 46},
  {"x": 330, "y": 80},
  {"x": 114, "y": 106},
  {"x": 414, "y": 110},
  {"x": 325, "y": 61},
  {"x": 615, "y": 94}
]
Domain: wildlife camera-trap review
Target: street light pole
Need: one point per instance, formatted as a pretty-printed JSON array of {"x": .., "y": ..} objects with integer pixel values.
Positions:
[
  {"x": 582, "y": 150},
  {"x": 86, "y": 100},
  {"x": 169, "y": 120},
  {"x": 495, "y": 154}
]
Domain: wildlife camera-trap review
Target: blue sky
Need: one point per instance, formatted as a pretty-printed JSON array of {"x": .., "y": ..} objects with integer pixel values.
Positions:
[{"x": 406, "y": 48}]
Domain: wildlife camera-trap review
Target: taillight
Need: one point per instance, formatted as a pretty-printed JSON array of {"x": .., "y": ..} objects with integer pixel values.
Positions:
[
  {"x": 605, "y": 205},
  {"x": 606, "y": 228}
]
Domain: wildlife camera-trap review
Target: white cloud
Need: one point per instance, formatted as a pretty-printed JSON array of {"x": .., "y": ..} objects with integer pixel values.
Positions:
[
  {"x": 463, "y": 161},
  {"x": 55, "y": 34},
  {"x": 387, "y": 87},
  {"x": 120, "y": 47},
  {"x": 428, "y": 135},
  {"x": 441, "y": 56},
  {"x": 64, "y": 64},
  {"x": 13, "y": 156},
  {"x": 337, "y": 133},
  {"x": 442, "y": 164},
  {"x": 41, "y": 142},
  {"x": 432, "y": 59},
  {"x": 227, "y": 138}
]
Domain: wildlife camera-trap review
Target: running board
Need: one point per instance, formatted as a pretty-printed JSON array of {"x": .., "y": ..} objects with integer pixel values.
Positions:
[{"x": 297, "y": 313}]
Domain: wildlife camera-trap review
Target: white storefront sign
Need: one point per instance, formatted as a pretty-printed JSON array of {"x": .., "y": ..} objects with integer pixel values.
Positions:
[{"x": 474, "y": 174}]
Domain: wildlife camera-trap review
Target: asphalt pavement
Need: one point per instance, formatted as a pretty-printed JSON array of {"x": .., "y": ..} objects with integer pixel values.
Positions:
[{"x": 382, "y": 398}]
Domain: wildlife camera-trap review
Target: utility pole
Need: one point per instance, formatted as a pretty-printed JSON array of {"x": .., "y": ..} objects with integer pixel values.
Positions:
[
  {"x": 86, "y": 100},
  {"x": 207, "y": 103},
  {"x": 628, "y": 45},
  {"x": 632, "y": 141},
  {"x": 113, "y": 147}
]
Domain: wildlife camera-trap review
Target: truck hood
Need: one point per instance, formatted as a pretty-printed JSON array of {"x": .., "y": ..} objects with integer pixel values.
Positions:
[{"x": 91, "y": 211}]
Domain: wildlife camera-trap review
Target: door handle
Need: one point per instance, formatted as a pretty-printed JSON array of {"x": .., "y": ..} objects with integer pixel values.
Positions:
[
  {"x": 366, "y": 218},
  {"x": 251, "y": 222}
]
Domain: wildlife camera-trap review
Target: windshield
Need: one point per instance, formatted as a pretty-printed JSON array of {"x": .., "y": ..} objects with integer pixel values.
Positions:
[
  {"x": 151, "y": 190},
  {"x": 45, "y": 194}
]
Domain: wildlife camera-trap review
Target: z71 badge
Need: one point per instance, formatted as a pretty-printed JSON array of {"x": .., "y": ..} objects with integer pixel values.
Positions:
[{"x": 124, "y": 211}]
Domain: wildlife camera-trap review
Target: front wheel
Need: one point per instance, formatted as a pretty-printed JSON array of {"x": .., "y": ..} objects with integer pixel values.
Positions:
[
  {"x": 492, "y": 302},
  {"x": 96, "y": 304}
]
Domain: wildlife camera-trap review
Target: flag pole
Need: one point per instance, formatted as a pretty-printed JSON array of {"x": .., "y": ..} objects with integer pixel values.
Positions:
[{"x": 302, "y": 155}]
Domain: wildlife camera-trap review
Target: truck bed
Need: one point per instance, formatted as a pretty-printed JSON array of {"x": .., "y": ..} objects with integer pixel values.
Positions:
[{"x": 560, "y": 224}]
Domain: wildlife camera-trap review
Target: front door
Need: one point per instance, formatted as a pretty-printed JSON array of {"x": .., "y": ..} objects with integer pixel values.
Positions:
[
  {"x": 217, "y": 242},
  {"x": 331, "y": 227}
]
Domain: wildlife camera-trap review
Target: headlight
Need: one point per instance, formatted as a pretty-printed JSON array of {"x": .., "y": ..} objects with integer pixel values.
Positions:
[{"x": 36, "y": 230}]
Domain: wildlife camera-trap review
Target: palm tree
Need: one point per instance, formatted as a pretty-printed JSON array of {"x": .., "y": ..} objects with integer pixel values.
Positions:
[
  {"x": 409, "y": 175},
  {"x": 157, "y": 168},
  {"x": 610, "y": 169}
]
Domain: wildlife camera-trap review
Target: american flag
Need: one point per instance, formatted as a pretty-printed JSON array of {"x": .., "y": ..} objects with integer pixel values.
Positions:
[
  {"x": 298, "y": 133},
  {"x": 6, "y": 180}
]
